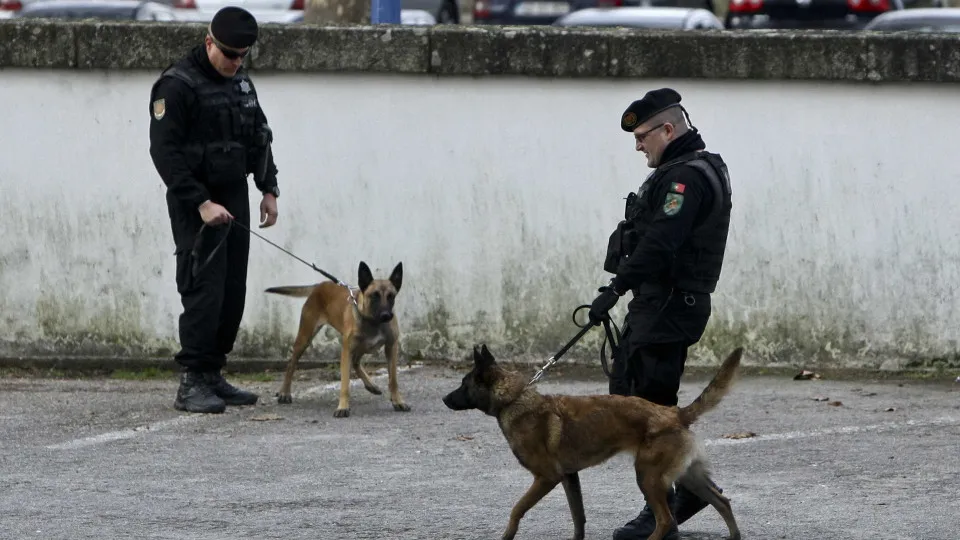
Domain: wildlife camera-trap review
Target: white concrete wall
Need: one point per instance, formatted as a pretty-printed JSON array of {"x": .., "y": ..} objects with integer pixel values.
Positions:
[{"x": 498, "y": 196}]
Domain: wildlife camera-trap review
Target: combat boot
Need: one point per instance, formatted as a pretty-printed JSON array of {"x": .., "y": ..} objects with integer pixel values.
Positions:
[
  {"x": 231, "y": 395},
  {"x": 194, "y": 395},
  {"x": 642, "y": 526}
]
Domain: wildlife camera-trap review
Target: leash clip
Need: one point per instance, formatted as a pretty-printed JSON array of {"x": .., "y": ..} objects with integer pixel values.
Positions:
[{"x": 540, "y": 371}]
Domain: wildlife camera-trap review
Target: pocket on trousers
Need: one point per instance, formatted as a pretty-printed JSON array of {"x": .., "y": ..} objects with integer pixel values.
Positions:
[{"x": 184, "y": 273}]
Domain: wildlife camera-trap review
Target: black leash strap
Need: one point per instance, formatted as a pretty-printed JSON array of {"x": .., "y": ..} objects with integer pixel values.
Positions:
[
  {"x": 197, "y": 267},
  {"x": 584, "y": 328}
]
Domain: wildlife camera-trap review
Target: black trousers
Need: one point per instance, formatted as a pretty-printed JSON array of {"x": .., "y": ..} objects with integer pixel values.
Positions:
[
  {"x": 660, "y": 327},
  {"x": 213, "y": 299}
]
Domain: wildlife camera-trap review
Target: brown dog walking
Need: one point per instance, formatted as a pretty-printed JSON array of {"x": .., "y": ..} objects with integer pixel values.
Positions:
[
  {"x": 366, "y": 322},
  {"x": 555, "y": 437}
]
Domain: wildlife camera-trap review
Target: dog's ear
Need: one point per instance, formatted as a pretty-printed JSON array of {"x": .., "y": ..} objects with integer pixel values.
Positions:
[
  {"x": 487, "y": 356},
  {"x": 364, "y": 276},
  {"x": 396, "y": 277},
  {"x": 482, "y": 358}
]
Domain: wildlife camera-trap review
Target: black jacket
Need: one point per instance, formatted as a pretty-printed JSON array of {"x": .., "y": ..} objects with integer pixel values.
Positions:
[
  {"x": 180, "y": 131},
  {"x": 676, "y": 198}
]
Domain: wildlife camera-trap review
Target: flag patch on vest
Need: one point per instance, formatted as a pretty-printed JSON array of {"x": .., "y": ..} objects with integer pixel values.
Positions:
[
  {"x": 673, "y": 203},
  {"x": 678, "y": 187},
  {"x": 159, "y": 108}
]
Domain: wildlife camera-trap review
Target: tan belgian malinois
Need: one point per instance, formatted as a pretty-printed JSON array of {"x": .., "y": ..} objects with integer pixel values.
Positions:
[
  {"x": 555, "y": 437},
  {"x": 366, "y": 322}
]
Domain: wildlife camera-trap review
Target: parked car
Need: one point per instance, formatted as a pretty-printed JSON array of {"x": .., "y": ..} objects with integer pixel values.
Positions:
[
  {"x": 132, "y": 10},
  {"x": 945, "y": 20},
  {"x": 806, "y": 14},
  {"x": 443, "y": 11},
  {"x": 537, "y": 12},
  {"x": 666, "y": 18}
]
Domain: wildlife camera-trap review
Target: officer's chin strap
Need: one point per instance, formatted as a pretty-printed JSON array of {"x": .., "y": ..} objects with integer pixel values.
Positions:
[
  {"x": 197, "y": 267},
  {"x": 610, "y": 335}
]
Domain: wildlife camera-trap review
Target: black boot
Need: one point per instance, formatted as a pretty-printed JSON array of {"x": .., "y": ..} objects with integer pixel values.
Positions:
[
  {"x": 642, "y": 526},
  {"x": 688, "y": 504},
  {"x": 194, "y": 395},
  {"x": 230, "y": 394}
]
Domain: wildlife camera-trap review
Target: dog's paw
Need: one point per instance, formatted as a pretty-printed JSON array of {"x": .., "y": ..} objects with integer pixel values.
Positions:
[
  {"x": 402, "y": 407},
  {"x": 373, "y": 389},
  {"x": 284, "y": 398},
  {"x": 341, "y": 413}
]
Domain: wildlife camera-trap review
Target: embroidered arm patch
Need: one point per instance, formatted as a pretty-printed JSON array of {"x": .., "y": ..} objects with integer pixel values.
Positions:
[{"x": 672, "y": 203}]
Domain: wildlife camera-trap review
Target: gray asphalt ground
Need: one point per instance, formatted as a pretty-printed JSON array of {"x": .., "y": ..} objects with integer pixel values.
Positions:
[{"x": 105, "y": 458}]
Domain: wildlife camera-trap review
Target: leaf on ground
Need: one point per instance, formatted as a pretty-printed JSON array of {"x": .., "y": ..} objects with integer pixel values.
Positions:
[
  {"x": 835, "y": 403},
  {"x": 740, "y": 435},
  {"x": 464, "y": 438},
  {"x": 265, "y": 417},
  {"x": 890, "y": 409},
  {"x": 806, "y": 375},
  {"x": 820, "y": 398}
]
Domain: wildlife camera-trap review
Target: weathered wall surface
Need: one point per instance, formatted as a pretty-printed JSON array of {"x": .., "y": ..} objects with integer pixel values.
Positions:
[{"x": 497, "y": 192}]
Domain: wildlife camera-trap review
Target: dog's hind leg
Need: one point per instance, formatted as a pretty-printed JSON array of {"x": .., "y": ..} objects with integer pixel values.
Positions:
[
  {"x": 310, "y": 326},
  {"x": 655, "y": 492},
  {"x": 697, "y": 480},
  {"x": 362, "y": 373},
  {"x": 538, "y": 490},
  {"x": 571, "y": 486}
]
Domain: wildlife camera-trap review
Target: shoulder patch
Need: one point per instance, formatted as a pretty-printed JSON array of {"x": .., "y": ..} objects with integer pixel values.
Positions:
[
  {"x": 159, "y": 108},
  {"x": 672, "y": 203},
  {"x": 678, "y": 187}
]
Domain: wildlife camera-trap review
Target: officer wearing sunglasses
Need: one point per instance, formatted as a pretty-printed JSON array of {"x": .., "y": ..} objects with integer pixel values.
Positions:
[{"x": 207, "y": 134}]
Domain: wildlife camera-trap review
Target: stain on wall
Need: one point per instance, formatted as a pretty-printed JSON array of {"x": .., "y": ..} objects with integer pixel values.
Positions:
[{"x": 841, "y": 251}]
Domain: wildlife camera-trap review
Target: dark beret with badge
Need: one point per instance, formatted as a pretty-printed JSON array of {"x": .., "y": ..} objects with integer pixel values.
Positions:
[
  {"x": 234, "y": 27},
  {"x": 652, "y": 103}
]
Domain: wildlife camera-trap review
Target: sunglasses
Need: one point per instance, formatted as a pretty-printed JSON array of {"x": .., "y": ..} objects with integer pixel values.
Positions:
[{"x": 233, "y": 55}]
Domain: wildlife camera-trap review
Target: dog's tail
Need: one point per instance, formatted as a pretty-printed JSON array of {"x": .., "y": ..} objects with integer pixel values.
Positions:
[
  {"x": 292, "y": 290},
  {"x": 715, "y": 391}
]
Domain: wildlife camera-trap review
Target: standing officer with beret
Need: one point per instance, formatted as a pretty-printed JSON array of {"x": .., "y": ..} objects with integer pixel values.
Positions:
[
  {"x": 207, "y": 133},
  {"x": 668, "y": 251}
]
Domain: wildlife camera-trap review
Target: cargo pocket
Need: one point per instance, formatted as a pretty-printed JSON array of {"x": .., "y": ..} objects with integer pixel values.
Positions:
[
  {"x": 184, "y": 275},
  {"x": 225, "y": 165}
]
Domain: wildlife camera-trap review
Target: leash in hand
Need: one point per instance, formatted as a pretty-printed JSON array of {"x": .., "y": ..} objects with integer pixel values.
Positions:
[
  {"x": 584, "y": 328},
  {"x": 197, "y": 267}
]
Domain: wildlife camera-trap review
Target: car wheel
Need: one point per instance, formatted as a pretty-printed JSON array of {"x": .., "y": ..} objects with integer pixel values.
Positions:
[{"x": 448, "y": 14}]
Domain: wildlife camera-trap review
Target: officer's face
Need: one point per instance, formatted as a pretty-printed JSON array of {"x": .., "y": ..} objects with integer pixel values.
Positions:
[
  {"x": 651, "y": 139},
  {"x": 226, "y": 61}
]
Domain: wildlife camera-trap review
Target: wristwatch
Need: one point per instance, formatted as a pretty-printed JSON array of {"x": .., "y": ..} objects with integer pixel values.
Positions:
[{"x": 273, "y": 190}]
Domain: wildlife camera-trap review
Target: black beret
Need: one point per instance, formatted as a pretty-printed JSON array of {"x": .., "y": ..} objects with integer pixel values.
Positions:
[
  {"x": 651, "y": 103},
  {"x": 234, "y": 27}
]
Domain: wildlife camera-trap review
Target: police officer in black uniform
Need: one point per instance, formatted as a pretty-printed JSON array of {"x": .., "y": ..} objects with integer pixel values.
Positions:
[
  {"x": 207, "y": 134},
  {"x": 668, "y": 251}
]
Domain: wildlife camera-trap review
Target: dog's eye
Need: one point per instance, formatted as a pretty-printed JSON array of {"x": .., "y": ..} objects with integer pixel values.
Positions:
[{"x": 390, "y": 297}]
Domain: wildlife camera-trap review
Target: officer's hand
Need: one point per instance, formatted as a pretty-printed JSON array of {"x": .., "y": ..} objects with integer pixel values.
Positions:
[
  {"x": 602, "y": 304},
  {"x": 268, "y": 210},
  {"x": 214, "y": 214}
]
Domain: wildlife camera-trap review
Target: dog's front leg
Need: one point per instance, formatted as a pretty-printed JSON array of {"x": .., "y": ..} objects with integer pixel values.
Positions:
[
  {"x": 571, "y": 486},
  {"x": 538, "y": 490},
  {"x": 343, "y": 407},
  {"x": 392, "y": 350}
]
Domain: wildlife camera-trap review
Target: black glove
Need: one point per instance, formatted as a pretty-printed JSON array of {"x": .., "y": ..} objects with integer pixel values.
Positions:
[{"x": 602, "y": 304}]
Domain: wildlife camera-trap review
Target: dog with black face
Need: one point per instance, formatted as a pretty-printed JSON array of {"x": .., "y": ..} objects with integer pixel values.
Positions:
[
  {"x": 366, "y": 322},
  {"x": 555, "y": 437}
]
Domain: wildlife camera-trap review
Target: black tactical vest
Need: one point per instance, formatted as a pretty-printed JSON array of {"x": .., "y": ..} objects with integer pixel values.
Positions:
[
  {"x": 698, "y": 262},
  {"x": 223, "y": 138}
]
